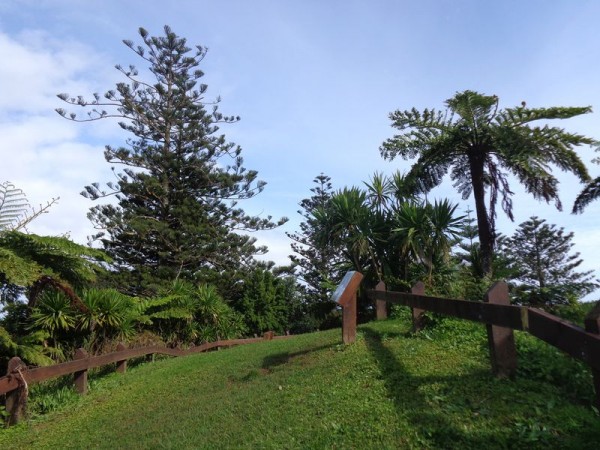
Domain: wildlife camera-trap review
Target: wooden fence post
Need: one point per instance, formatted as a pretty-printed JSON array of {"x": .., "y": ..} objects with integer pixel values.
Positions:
[
  {"x": 592, "y": 325},
  {"x": 349, "y": 320},
  {"x": 122, "y": 364},
  {"x": 16, "y": 401},
  {"x": 346, "y": 295},
  {"x": 501, "y": 340},
  {"x": 418, "y": 315},
  {"x": 268, "y": 335},
  {"x": 80, "y": 377},
  {"x": 381, "y": 305}
]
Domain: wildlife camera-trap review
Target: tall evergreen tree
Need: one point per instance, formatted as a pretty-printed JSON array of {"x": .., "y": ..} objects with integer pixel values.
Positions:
[
  {"x": 176, "y": 212},
  {"x": 316, "y": 257},
  {"x": 546, "y": 268}
]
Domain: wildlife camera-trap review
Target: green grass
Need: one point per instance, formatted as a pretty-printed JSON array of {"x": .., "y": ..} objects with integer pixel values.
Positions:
[{"x": 389, "y": 390}]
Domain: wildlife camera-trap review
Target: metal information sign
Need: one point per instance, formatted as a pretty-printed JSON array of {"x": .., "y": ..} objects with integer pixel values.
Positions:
[{"x": 347, "y": 287}]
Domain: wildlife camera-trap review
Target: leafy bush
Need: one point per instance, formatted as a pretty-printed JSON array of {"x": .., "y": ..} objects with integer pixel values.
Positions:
[{"x": 542, "y": 362}]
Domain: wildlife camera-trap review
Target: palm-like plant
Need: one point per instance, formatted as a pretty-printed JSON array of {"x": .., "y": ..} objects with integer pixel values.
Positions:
[
  {"x": 108, "y": 316},
  {"x": 479, "y": 145},
  {"x": 53, "y": 313},
  {"x": 189, "y": 314},
  {"x": 30, "y": 348},
  {"x": 426, "y": 232},
  {"x": 380, "y": 191},
  {"x": 349, "y": 220},
  {"x": 213, "y": 314},
  {"x": 25, "y": 258},
  {"x": 106, "y": 308}
]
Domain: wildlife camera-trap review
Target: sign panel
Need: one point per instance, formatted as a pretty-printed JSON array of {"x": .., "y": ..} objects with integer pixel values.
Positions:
[{"x": 347, "y": 287}]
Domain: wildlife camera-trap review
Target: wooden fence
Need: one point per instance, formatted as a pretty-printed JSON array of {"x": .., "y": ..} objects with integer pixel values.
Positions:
[
  {"x": 19, "y": 376},
  {"x": 501, "y": 318}
]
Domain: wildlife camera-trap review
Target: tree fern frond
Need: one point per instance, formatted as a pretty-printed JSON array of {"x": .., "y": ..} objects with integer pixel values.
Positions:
[
  {"x": 15, "y": 211},
  {"x": 590, "y": 193},
  {"x": 516, "y": 117}
]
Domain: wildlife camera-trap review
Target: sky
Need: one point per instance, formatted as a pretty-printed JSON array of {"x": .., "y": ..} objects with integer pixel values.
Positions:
[{"x": 313, "y": 81}]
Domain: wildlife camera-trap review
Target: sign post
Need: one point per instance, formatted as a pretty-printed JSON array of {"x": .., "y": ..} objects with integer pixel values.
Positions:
[{"x": 345, "y": 296}]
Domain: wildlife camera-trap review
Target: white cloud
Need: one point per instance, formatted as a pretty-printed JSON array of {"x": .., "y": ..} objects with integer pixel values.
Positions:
[
  {"x": 278, "y": 244},
  {"x": 40, "y": 67},
  {"x": 41, "y": 153}
]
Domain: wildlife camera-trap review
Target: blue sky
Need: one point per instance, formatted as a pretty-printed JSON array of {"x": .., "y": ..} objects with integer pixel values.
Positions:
[{"x": 313, "y": 81}]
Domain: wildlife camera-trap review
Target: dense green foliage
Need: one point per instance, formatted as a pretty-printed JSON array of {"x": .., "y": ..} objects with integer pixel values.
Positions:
[
  {"x": 388, "y": 234},
  {"x": 25, "y": 258},
  {"x": 186, "y": 314},
  {"x": 176, "y": 213},
  {"x": 479, "y": 144},
  {"x": 267, "y": 302},
  {"x": 30, "y": 265},
  {"x": 390, "y": 390}
]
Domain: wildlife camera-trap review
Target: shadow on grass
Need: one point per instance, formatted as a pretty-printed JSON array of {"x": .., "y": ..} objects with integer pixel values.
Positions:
[
  {"x": 455, "y": 411},
  {"x": 271, "y": 361}
]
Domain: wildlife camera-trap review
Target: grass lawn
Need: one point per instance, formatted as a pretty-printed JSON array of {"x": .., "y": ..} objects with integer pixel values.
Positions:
[{"x": 389, "y": 390}]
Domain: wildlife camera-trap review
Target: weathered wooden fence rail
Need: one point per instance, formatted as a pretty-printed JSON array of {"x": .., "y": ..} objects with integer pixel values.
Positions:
[
  {"x": 501, "y": 318},
  {"x": 19, "y": 376}
]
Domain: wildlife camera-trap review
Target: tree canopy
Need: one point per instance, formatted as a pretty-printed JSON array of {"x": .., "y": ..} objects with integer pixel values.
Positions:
[
  {"x": 176, "y": 212},
  {"x": 479, "y": 145}
]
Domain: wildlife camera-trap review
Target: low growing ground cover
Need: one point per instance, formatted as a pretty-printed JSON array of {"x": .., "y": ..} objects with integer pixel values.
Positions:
[{"x": 391, "y": 389}]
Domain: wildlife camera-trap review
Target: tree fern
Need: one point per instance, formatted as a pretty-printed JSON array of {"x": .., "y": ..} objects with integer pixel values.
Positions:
[
  {"x": 25, "y": 258},
  {"x": 479, "y": 145}
]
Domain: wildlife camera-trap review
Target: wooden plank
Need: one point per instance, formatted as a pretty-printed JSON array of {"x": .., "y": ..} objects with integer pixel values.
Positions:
[
  {"x": 38, "y": 374},
  {"x": 8, "y": 384},
  {"x": 565, "y": 336},
  {"x": 381, "y": 305},
  {"x": 501, "y": 340},
  {"x": 418, "y": 314},
  {"x": 67, "y": 368},
  {"x": 592, "y": 325},
  {"x": 349, "y": 320},
  {"x": 502, "y": 315}
]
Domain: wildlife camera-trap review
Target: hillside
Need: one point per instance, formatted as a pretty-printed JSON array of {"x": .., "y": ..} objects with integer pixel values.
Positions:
[{"x": 389, "y": 390}]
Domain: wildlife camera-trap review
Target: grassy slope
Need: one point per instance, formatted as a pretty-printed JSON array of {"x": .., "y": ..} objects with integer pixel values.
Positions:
[{"x": 389, "y": 390}]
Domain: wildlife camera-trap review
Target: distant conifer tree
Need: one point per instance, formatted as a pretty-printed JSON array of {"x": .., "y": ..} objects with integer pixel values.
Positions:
[
  {"x": 315, "y": 256},
  {"x": 546, "y": 268}
]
